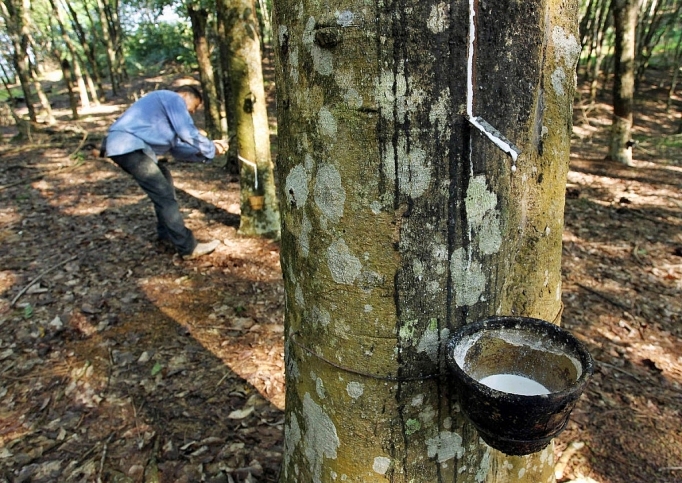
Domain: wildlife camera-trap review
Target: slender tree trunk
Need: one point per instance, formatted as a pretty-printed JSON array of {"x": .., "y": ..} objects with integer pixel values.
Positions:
[
  {"x": 44, "y": 102},
  {"x": 402, "y": 221},
  {"x": 625, "y": 21},
  {"x": 109, "y": 46},
  {"x": 598, "y": 34},
  {"x": 91, "y": 87},
  {"x": 68, "y": 79},
  {"x": 222, "y": 7},
  {"x": 199, "y": 18},
  {"x": 82, "y": 89},
  {"x": 677, "y": 65},
  {"x": 88, "y": 48},
  {"x": 17, "y": 23},
  {"x": 92, "y": 47},
  {"x": 111, "y": 8},
  {"x": 21, "y": 66},
  {"x": 80, "y": 82},
  {"x": 5, "y": 83},
  {"x": 259, "y": 211}
]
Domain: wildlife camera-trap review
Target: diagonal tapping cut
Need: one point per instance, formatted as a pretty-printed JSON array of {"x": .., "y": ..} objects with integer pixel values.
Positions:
[{"x": 478, "y": 122}]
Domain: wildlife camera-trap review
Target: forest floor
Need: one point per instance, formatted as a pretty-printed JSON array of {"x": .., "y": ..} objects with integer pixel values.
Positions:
[{"x": 119, "y": 362}]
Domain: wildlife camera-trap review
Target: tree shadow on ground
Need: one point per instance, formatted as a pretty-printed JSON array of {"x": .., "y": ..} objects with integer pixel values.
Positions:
[{"x": 125, "y": 362}]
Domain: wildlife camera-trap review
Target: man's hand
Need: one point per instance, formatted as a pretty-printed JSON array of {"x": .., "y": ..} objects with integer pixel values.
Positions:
[{"x": 220, "y": 146}]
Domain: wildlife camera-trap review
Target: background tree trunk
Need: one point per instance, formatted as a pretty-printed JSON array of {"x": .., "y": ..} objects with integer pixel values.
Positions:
[
  {"x": 401, "y": 221},
  {"x": 67, "y": 74},
  {"x": 624, "y": 21},
  {"x": 90, "y": 53},
  {"x": 259, "y": 210},
  {"x": 107, "y": 40},
  {"x": 17, "y": 22},
  {"x": 44, "y": 101},
  {"x": 199, "y": 18},
  {"x": 222, "y": 8},
  {"x": 77, "y": 72}
]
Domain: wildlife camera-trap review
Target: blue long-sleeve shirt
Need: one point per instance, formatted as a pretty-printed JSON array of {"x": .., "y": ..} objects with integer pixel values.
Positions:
[{"x": 159, "y": 123}]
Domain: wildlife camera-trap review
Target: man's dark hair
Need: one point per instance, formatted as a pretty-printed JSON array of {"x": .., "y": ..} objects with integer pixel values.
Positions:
[{"x": 191, "y": 90}]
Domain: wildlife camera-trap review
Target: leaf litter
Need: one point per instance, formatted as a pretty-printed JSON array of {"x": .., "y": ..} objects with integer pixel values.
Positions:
[{"x": 119, "y": 362}]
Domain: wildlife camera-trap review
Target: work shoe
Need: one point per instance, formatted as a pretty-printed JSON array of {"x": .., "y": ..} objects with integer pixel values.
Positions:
[{"x": 202, "y": 249}]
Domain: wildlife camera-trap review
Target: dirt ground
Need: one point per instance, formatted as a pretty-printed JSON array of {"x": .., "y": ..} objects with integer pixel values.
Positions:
[{"x": 119, "y": 362}]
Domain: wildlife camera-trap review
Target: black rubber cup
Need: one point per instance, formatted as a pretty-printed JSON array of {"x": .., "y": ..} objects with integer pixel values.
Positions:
[{"x": 518, "y": 418}]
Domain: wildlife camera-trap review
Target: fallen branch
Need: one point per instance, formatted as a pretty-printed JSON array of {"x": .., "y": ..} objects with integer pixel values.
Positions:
[
  {"x": 40, "y": 176},
  {"x": 85, "y": 136},
  {"x": 30, "y": 147},
  {"x": 41, "y": 275},
  {"x": 604, "y": 296},
  {"x": 616, "y": 368}
]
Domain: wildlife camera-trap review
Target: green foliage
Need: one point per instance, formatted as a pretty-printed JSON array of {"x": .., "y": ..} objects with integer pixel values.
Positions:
[
  {"x": 16, "y": 92},
  {"x": 239, "y": 310},
  {"x": 160, "y": 43},
  {"x": 157, "y": 368},
  {"x": 28, "y": 311}
]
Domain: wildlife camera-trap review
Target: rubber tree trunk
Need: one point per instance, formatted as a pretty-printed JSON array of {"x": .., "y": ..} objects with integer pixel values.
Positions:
[
  {"x": 625, "y": 22},
  {"x": 107, "y": 39},
  {"x": 259, "y": 210},
  {"x": 401, "y": 221},
  {"x": 77, "y": 71},
  {"x": 199, "y": 19},
  {"x": 16, "y": 14},
  {"x": 224, "y": 81},
  {"x": 67, "y": 74},
  {"x": 88, "y": 45}
]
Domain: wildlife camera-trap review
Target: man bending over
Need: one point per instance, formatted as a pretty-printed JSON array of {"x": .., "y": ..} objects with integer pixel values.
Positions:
[{"x": 161, "y": 123}]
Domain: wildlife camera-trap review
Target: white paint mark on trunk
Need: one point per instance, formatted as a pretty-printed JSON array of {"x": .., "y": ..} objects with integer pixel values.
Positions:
[
  {"x": 480, "y": 124},
  {"x": 566, "y": 47},
  {"x": 327, "y": 122},
  {"x": 296, "y": 186},
  {"x": 322, "y": 58},
  {"x": 381, "y": 465},
  {"x": 355, "y": 389},
  {"x": 439, "y": 18},
  {"x": 558, "y": 80},
  {"x": 292, "y": 440},
  {"x": 414, "y": 174},
  {"x": 330, "y": 196},
  {"x": 343, "y": 265},
  {"x": 345, "y": 18},
  {"x": 482, "y": 215},
  {"x": 320, "y": 439},
  {"x": 467, "y": 278},
  {"x": 319, "y": 388},
  {"x": 320, "y": 316},
  {"x": 304, "y": 238},
  {"x": 445, "y": 446},
  {"x": 484, "y": 466}
]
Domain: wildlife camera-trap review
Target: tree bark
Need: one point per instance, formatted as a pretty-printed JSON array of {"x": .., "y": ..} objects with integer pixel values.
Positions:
[
  {"x": 402, "y": 221},
  {"x": 80, "y": 81},
  {"x": 90, "y": 55},
  {"x": 625, "y": 21},
  {"x": 199, "y": 18},
  {"x": 223, "y": 76},
  {"x": 259, "y": 210},
  {"x": 17, "y": 23},
  {"x": 677, "y": 65},
  {"x": 67, "y": 74},
  {"x": 107, "y": 40}
]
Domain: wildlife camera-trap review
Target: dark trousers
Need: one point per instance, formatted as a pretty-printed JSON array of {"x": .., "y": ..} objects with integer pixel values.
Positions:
[{"x": 156, "y": 180}]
